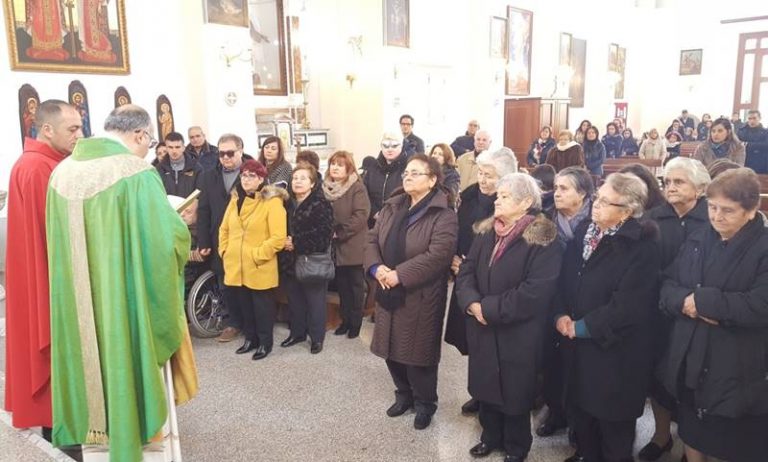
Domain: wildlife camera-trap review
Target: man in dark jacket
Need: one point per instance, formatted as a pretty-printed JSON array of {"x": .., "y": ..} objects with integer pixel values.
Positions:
[
  {"x": 412, "y": 144},
  {"x": 215, "y": 188},
  {"x": 466, "y": 142},
  {"x": 180, "y": 172},
  {"x": 199, "y": 148},
  {"x": 756, "y": 138}
]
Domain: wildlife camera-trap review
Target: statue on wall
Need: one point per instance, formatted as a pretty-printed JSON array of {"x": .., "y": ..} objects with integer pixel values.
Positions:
[
  {"x": 164, "y": 117},
  {"x": 78, "y": 97},
  {"x": 122, "y": 97},
  {"x": 28, "y": 103}
]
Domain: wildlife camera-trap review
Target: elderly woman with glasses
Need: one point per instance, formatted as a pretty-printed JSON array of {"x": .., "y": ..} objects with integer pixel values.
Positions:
[
  {"x": 717, "y": 293},
  {"x": 385, "y": 175},
  {"x": 505, "y": 287},
  {"x": 475, "y": 205},
  {"x": 608, "y": 287},
  {"x": 682, "y": 214},
  {"x": 409, "y": 253}
]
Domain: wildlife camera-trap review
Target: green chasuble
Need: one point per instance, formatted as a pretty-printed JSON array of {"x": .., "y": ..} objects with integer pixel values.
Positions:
[{"x": 116, "y": 251}]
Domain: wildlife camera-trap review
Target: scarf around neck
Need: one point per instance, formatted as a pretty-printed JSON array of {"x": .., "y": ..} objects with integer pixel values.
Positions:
[
  {"x": 567, "y": 146},
  {"x": 506, "y": 234},
  {"x": 335, "y": 189},
  {"x": 594, "y": 236},
  {"x": 719, "y": 149},
  {"x": 566, "y": 226}
]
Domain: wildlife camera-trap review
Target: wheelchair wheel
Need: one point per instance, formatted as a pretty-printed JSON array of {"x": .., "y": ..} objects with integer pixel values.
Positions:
[{"x": 205, "y": 307}]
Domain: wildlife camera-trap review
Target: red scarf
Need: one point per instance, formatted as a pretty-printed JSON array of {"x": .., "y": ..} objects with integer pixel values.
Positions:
[{"x": 506, "y": 234}]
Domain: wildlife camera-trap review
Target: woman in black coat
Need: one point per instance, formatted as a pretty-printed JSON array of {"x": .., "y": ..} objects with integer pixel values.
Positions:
[
  {"x": 717, "y": 292},
  {"x": 683, "y": 213},
  {"x": 310, "y": 229},
  {"x": 505, "y": 287},
  {"x": 385, "y": 175},
  {"x": 608, "y": 286},
  {"x": 537, "y": 153}
]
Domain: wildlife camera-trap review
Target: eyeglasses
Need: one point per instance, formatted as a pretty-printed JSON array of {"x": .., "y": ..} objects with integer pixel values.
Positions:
[
  {"x": 390, "y": 145},
  {"x": 152, "y": 140},
  {"x": 598, "y": 202},
  {"x": 248, "y": 176},
  {"x": 229, "y": 154},
  {"x": 408, "y": 124},
  {"x": 407, "y": 173}
]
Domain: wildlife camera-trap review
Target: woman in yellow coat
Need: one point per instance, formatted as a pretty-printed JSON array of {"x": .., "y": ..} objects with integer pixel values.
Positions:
[{"x": 252, "y": 232}]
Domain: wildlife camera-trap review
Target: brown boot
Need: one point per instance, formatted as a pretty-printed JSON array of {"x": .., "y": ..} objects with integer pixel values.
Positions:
[{"x": 229, "y": 334}]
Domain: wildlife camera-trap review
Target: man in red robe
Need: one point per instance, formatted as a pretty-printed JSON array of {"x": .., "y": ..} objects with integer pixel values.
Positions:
[{"x": 28, "y": 332}]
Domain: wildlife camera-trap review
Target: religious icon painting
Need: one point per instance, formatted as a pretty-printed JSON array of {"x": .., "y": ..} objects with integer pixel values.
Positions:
[
  {"x": 67, "y": 36},
  {"x": 122, "y": 97},
  {"x": 28, "y": 103},
  {"x": 164, "y": 117},
  {"x": 78, "y": 97}
]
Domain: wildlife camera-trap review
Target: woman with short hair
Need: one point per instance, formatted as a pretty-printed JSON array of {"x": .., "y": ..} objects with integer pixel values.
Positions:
[
  {"x": 351, "y": 207},
  {"x": 505, "y": 287},
  {"x": 409, "y": 252},
  {"x": 447, "y": 160},
  {"x": 717, "y": 293},
  {"x": 683, "y": 212},
  {"x": 608, "y": 287},
  {"x": 721, "y": 144},
  {"x": 566, "y": 153},
  {"x": 537, "y": 153}
]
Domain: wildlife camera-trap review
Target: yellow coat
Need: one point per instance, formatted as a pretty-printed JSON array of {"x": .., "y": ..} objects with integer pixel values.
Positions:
[{"x": 250, "y": 240}]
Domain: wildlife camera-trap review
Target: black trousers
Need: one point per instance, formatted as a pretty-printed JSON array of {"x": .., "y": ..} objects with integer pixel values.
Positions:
[
  {"x": 307, "y": 306},
  {"x": 257, "y": 308},
  {"x": 602, "y": 440},
  {"x": 500, "y": 430},
  {"x": 350, "y": 284},
  {"x": 415, "y": 384},
  {"x": 552, "y": 375}
]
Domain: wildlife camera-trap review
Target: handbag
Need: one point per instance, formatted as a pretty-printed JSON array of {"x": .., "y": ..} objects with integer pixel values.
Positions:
[{"x": 315, "y": 267}]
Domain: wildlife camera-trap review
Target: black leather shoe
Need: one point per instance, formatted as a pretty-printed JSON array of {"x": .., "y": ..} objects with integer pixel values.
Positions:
[
  {"x": 421, "y": 421},
  {"x": 291, "y": 341},
  {"x": 653, "y": 451},
  {"x": 550, "y": 427},
  {"x": 341, "y": 330},
  {"x": 511, "y": 458},
  {"x": 316, "y": 348},
  {"x": 353, "y": 332},
  {"x": 261, "y": 353},
  {"x": 471, "y": 407},
  {"x": 246, "y": 347},
  {"x": 398, "y": 409},
  {"x": 481, "y": 450}
]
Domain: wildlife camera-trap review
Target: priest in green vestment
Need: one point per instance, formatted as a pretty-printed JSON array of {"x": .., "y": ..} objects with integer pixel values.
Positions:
[{"x": 116, "y": 251}]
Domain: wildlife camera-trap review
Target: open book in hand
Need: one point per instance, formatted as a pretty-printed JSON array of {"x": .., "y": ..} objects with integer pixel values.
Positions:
[{"x": 181, "y": 203}]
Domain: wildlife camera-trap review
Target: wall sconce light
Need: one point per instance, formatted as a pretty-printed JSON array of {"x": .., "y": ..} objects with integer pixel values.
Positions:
[
  {"x": 230, "y": 52},
  {"x": 355, "y": 43}
]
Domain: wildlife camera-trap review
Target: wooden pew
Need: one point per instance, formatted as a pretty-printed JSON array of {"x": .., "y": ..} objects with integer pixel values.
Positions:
[
  {"x": 687, "y": 148},
  {"x": 614, "y": 165}
]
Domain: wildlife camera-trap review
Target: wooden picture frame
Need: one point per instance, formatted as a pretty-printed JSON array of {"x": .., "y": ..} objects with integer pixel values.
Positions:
[
  {"x": 78, "y": 97},
  {"x": 29, "y": 101},
  {"x": 165, "y": 122},
  {"x": 267, "y": 28},
  {"x": 43, "y": 36},
  {"x": 690, "y": 61},
  {"x": 397, "y": 23},
  {"x": 519, "y": 46},
  {"x": 579, "y": 65},
  {"x": 498, "y": 37},
  {"x": 122, "y": 97},
  {"x": 566, "y": 41},
  {"x": 234, "y": 14}
]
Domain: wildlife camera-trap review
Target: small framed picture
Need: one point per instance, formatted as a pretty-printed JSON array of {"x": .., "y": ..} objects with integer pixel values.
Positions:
[
  {"x": 690, "y": 62},
  {"x": 228, "y": 13},
  {"x": 613, "y": 57},
  {"x": 498, "y": 44},
  {"x": 397, "y": 23}
]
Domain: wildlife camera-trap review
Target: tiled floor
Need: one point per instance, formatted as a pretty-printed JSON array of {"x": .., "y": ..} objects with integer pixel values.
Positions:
[{"x": 327, "y": 407}]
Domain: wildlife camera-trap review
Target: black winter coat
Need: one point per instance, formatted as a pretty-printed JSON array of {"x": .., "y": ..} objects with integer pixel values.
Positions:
[
  {"x": 612, "y": 145},
  {"x": 542, "y": 148},
  {"x": 727, "y": 364},
  {"x": 212, "y": 204},
  {"x": 185, "y": 182},
  {"x": 462, "y": 144},
  {"x": 310, "y": 225},
  {"x": 381, "y": 179},
  {"x": 608, "y": 374},
  {"x": 756, "y": 148},
  {"x": 515, "y": 294}
]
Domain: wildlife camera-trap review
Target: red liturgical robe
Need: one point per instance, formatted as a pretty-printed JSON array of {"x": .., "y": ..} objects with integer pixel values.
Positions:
[{"x": 28, "y": 355}]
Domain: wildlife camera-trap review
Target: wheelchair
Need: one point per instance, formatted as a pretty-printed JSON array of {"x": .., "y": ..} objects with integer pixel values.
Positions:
[{"x": 206, "y": 312}]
